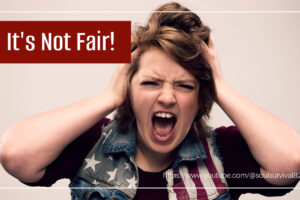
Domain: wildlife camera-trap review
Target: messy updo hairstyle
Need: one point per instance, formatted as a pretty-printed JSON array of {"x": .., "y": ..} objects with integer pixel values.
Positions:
[{"x": 178, "y": 32}]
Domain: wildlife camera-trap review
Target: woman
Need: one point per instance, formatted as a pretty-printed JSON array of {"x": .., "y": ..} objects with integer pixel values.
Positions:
[{"x": 159, "y": 136}]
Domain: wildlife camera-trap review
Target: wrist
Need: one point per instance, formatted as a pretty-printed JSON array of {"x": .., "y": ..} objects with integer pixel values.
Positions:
[
  {"x": 221, "y": 87},
  {"x": 112, "y": 99}
]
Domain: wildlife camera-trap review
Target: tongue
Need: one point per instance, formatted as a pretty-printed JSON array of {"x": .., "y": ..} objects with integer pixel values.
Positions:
[{"x": 162, "y": 126}]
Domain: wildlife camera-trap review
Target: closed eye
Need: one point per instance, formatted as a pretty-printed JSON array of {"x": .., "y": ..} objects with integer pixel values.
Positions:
[
  {"x": 189, "y": 87},
  {"x": 149, "y": 83}
]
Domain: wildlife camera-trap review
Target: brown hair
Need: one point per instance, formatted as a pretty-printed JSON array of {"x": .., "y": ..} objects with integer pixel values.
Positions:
[{"x": 177, "y": 31}]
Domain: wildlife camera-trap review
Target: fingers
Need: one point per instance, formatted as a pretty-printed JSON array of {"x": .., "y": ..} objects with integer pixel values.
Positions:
[
  {"x": 209, "y": 49},
  {"x": 134, "y": 53},
  {"x": 210, "y": 45},
  {"x": 210, "y": 53},
  {"x": 134, "y": 49},
  {"x": 204, "y": 49},
  {"x": 211, "y": 42}
]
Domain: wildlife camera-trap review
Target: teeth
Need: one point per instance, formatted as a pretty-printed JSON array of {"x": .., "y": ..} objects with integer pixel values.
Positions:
[
  {"x": 162, "y": 136},
  {"x": 164, "y": 115}
]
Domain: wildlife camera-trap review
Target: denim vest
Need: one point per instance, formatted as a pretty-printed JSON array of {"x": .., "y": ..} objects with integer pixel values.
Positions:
[{"x": 110, "y": 172}]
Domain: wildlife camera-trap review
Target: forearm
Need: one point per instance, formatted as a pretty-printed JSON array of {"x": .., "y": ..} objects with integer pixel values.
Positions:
[
  {"x": 273, "y": 143},
  {"x": 31, "y": 144}
]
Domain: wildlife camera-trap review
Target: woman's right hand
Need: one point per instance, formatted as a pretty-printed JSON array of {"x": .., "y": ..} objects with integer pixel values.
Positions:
[{"x": 117, "y": 87}]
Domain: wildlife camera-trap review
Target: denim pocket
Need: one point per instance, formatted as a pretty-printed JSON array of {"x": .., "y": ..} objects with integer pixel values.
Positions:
[
  {"x": 84, "y": 190},
  {"x": 100, "y": 193}
]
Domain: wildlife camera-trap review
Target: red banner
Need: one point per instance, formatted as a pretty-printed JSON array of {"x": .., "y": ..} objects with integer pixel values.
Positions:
[{"x": 65, "y": 41}]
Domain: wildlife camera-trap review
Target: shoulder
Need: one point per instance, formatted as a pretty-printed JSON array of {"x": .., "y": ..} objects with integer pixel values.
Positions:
[
  {"x": 229, "y": 139},
  {"x": 234, "y": 151},
  {"x": 227, "y": 133},
  {"x": 240, "y": 167}
]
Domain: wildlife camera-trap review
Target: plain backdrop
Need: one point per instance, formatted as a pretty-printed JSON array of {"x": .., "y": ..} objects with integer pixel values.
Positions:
[{"x": 257, "y": 41}]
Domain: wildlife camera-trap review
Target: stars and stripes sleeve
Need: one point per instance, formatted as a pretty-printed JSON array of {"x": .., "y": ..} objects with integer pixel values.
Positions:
[
  {"x": 69, "y": 161},
  {"x": 237, "y": 160}
]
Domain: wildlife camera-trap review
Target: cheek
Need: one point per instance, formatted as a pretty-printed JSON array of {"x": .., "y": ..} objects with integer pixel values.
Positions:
[
  {"x": 142, "y": 104},
  {"x": 189, "y": 103},
  {"x": 141, "y": 99}
]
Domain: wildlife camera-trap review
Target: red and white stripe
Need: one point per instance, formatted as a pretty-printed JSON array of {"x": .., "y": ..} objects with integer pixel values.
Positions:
[{"x": 198, "y": 180}]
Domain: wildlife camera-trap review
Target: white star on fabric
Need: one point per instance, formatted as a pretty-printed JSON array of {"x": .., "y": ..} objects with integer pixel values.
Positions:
[
  {"x": 132, "y": 182},
  {"x": 112, "y": 175},
  {"x": 127, "y": 166},
  {"x": 110, "y": 158},
  {"x": 95, "y": 182},
  {"x": 91, "y": 162}
]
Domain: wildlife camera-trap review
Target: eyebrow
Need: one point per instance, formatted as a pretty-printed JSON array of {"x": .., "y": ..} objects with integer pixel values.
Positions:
[
  {"x": 186, "y": 81},
  {"x": 152, "y": 77}
]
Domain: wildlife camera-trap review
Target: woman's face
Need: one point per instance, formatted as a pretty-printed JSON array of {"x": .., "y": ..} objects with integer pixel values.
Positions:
[{"x": 164, "y": 100}]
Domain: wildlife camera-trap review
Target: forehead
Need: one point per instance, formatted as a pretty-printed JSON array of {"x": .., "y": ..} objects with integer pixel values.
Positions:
[{"x": 155, "y": 62}]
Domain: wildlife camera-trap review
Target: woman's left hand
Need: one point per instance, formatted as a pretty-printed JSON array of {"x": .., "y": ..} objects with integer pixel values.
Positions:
[{"x": 210, "y": 53}]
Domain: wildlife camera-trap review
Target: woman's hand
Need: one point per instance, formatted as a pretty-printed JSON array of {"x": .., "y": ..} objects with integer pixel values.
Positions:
[
  {"x": 117, "y": 86},
  {"x": 210, "y": 53}
]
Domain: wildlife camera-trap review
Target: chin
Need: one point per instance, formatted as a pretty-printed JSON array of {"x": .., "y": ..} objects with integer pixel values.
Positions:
[{"x": 162, "y": 148}]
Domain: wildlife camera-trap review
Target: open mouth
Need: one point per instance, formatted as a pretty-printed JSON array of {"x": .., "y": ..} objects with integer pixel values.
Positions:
[{"x": 163, "y": 125}]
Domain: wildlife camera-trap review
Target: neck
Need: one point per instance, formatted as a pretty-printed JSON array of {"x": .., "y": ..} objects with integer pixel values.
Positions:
[{"x": 152, "y": 161}]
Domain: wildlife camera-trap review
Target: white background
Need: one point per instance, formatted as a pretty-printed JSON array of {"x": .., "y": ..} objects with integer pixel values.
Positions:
[{"x": 259, "y": 53}]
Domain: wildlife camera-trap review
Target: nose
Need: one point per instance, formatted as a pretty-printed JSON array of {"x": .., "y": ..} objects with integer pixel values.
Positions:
[{"x": 167, "y": 97}]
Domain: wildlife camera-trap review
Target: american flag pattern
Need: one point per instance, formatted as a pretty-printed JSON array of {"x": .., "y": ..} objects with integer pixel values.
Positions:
[
  {"x": 110, "y": 164},
  {"x": 185, "y": 182}
]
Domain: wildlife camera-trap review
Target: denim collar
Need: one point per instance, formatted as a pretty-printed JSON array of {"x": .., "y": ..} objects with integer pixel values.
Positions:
[
  {"x": 189, "y": 150},
  {"x": 118, "y": 142}
]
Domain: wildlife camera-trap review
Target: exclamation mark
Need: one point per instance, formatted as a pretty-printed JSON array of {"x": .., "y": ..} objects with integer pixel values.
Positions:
[{"x": 112, "y": 40}]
